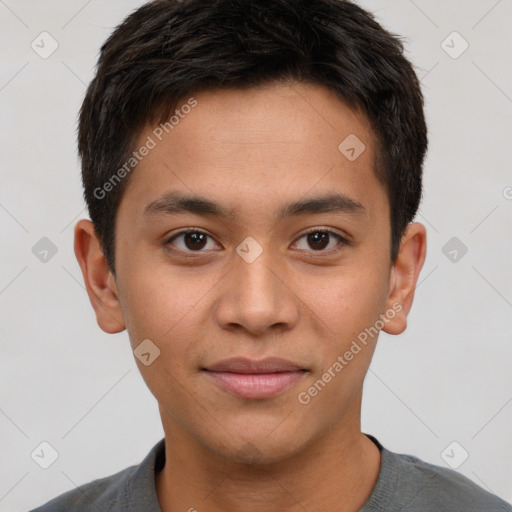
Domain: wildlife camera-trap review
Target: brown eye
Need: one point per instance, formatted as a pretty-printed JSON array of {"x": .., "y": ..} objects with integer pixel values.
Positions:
[
  {"x": 322, "y": 240},
  {"x": 318, "y": 240},
  {"x": 194, "y": 241},
  {"x": 189, "y": 241}
]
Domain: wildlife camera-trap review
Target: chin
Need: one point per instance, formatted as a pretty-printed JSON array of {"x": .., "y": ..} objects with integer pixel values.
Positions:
[{"x": 257, "y": 448}]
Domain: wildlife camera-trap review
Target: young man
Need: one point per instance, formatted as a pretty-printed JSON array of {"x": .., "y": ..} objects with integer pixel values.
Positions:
[{"x": 252, "y": 170}]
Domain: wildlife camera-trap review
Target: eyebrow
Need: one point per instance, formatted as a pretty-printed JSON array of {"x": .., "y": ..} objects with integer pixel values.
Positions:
[{"x": 176, "y": 203}]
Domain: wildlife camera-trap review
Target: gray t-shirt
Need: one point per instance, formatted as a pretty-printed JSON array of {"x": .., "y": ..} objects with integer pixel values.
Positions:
[{"x": 405, "y": 483}]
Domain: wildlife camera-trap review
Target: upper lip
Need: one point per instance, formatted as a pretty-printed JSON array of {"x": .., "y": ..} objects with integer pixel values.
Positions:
[{"x": 244, "y": 365}]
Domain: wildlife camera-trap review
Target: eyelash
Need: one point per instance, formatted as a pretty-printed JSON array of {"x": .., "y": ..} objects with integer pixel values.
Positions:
[{"x": 342, "y": 241}]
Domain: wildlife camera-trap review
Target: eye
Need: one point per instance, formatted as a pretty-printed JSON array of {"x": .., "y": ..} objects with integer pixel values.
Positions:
[
  {"x": 190, "y": 240},
  {"x": 320, "y": 239}
]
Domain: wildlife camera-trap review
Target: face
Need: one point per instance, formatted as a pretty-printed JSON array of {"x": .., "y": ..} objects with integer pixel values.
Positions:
[{"x": 283, "y": 253}]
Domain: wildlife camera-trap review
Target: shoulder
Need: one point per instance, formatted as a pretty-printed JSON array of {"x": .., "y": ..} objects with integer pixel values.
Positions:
[
  {"x": 426, "y": 486},
  {"x": 102, "y": 494},
  {"x": 132, "y": 488},
  {"x": 406, "y": 482}
]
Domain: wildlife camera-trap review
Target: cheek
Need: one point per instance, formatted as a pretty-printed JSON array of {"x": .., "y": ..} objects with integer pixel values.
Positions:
[
  {"x": 167, "y": 306},
  {"x": 150, "y": 311},
  {"x": 346, "y": 311},
  {"x": 159, "y": 311},
  {"x": 345, "y": 302},
  {"x": 152, "y": 294}
]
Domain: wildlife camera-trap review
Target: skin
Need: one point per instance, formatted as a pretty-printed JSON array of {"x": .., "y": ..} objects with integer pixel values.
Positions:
[{"x": 253, "y": 151}]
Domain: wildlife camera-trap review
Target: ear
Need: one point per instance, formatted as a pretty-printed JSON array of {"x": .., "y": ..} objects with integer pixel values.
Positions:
[
  {"x": 99, "y": 281},
  {"x": 404, "y": 276}
]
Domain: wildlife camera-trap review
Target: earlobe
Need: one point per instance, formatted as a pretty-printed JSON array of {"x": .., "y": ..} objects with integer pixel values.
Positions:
[
  {"x": 404, "y": 276},
  {"x": 99, "y": 282}
]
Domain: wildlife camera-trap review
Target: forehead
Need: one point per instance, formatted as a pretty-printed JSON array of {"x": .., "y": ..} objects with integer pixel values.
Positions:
[{"x": 256, "y": 144}]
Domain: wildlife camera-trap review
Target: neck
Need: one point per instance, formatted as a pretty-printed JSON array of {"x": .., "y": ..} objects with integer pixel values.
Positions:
[{"x": 337, "y": 472}]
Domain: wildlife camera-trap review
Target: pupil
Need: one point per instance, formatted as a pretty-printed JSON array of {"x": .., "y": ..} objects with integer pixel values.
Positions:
[
  {"x": 316, "y": 242},
  {"x": 195, "y": 240}
]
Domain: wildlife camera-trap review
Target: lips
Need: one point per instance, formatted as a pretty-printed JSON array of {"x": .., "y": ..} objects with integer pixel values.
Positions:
[
  {"x": 248, "y": 366},
  {"x": 253, "y": 379}
]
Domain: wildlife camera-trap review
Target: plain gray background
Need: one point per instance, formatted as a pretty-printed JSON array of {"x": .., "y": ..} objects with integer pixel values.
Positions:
[{"x": 447, "y": 379}]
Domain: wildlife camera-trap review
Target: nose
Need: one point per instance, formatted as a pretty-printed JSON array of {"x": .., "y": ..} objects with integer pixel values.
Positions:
[{"x": 257, "y": 297}]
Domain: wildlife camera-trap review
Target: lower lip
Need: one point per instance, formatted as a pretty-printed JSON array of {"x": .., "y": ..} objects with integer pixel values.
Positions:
[{"x": 255, "y": 385}]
